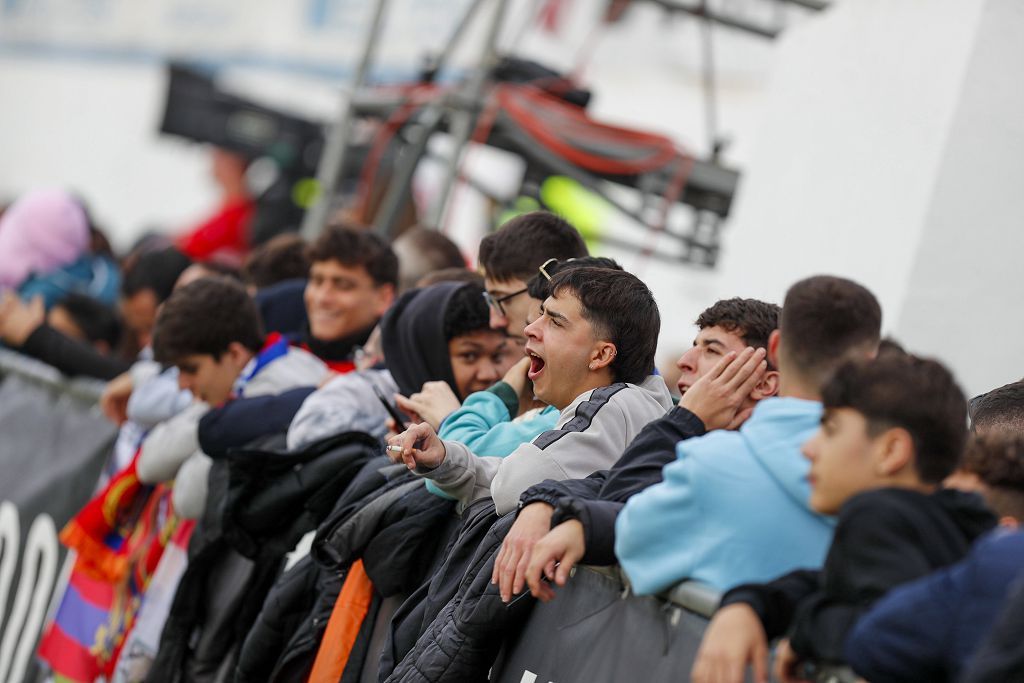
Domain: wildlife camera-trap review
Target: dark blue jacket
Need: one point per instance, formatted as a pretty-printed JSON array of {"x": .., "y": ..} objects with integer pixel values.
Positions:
[{"x": 929, "y": 628}]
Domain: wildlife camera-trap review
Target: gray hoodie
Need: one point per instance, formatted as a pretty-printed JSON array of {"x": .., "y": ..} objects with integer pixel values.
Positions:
[{"x": 590, "y": 435}]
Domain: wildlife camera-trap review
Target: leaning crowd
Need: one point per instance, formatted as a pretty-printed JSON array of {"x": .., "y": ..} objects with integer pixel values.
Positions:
[{"x": 349, "y": 460}]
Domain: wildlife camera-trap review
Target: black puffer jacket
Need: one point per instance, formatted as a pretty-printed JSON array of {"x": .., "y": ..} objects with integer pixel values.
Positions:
[
  {"x": 396, "y": 528},
  {"x": 462, "y": 642},
  {"x": 260, "y": 504}
]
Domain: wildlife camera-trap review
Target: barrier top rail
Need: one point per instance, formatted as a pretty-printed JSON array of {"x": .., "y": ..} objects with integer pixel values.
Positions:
[
  {"x": 693, "y": 596},
  {"x": 39, "y": 373}
]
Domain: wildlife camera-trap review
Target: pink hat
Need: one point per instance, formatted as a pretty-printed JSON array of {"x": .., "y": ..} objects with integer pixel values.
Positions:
[{"x": 40, "y": 232}]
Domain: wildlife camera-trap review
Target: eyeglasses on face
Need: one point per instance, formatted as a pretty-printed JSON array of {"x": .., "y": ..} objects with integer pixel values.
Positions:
[{"x": 498, "y": 303}]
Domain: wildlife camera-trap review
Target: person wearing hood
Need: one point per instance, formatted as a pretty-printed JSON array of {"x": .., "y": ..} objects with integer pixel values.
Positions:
[
  {"x": 893, "y": 429},
  {"x": 591, "y": 356},
  {"x": 43, "y": 231},
  {"x": 433, "y": 334}
]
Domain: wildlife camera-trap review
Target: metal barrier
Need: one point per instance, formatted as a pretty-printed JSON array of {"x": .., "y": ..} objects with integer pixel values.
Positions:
[{"x": 53, "y": 443}]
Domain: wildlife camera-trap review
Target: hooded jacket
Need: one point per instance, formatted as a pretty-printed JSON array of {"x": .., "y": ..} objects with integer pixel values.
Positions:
[
  {"x": 929, "y": 628},
  {"x": 732, "y": 508},
  {"x": 413, "y": 340},
  {"x": 883, "y": 538},
  {"x": 591, "y": 434}
]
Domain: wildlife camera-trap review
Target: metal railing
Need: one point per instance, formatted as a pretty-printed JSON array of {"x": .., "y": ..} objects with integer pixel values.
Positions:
[{"x": 87, "y": 390}]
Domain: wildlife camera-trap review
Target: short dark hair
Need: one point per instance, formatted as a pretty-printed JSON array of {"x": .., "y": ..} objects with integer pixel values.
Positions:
[
  {"x": 998, "y": 460},
  {"x": 622, "y": 310},
  {"x": 451, "y": 275},
  {"x": 466, "y": 312},
  {"x": 428, "y": 251},
  {"x": 97, "y": 321},
  {"x": 156, "y": 270},
  {"x": 357, "y": 248},
  {"x": 523, "y": 243},
  {"x": 825, "y": 321},
  {"x": 1001, "y": 408},
  {"x": 753, "y": 320},
  {"x": 278, "y": 259},
  {"x": 918, "y": 394},
  {"x": 539, "y": 287},
  {"x": 205, "y": 317}
]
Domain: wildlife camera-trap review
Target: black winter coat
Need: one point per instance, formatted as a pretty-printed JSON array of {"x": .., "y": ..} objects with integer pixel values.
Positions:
[
  {"x": 883, "y": 538},
  {"x": 260, "y": 505}
]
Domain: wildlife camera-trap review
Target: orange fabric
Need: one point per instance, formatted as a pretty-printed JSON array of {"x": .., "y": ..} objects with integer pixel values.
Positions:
[{"x": 343, "y": 627}]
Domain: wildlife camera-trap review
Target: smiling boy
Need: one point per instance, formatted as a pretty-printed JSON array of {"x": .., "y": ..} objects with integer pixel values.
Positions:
[{"x": 592, "y": 357}]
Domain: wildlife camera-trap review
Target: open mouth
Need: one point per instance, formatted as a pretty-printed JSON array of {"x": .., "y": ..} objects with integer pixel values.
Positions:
[{"x": 536, "y": 365}]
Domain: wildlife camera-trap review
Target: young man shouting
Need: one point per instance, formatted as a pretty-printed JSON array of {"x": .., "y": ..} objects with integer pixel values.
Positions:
[{"x": 592, "y": 357}]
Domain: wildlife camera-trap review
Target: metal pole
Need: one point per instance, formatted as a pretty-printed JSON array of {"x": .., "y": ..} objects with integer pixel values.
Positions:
[
  {"x": 710, "y": 92},
  {"x": 333, "y": 158},
  {"x": 465, "y": 118}
]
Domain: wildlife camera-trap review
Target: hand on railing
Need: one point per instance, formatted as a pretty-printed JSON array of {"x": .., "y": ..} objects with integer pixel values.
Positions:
[
  {"x": 18, "y": 320},
  {"x": 532, "y": 523},
  {"x": 734, "y": 639},
  {"x": 554, "y": 556}
]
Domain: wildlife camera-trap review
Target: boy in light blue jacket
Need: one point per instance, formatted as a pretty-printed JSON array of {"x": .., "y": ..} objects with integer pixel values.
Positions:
[{"x": 733, "y": 507}]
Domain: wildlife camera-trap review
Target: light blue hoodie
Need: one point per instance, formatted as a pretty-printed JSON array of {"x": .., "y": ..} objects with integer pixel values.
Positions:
[
  {"x": 486, "y": 426},
  {"x": 732, "y": 508}
]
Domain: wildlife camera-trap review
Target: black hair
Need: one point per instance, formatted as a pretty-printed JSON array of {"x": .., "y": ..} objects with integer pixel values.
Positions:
[
  {"x": 523, "y": 243},
  {"x": 917, "y": 394},
  {"x": 999, "y": 409},
  {"x": 281, "y": 258},
  {"x": 97, "y": 321},
  {"x": 825, "y": 321},
  {"x": 156, "y": 271},
  {"x": 622, "y": 310},
  {"x": 352, "y": 248},
  {"x": 751, "y": 319},
  {"x": 466, "y": 312},
  {"x": 539, "y": 287},
  {"x": 997, "y": 459},
  {"x": 204, "y": 317}
]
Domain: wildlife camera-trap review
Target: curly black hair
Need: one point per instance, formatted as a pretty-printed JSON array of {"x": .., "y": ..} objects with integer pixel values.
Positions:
[{"x": 466, "y": 312}]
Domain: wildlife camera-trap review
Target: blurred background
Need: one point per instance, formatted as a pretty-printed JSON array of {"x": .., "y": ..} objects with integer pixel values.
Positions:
[{"x": 726, "y": 147}]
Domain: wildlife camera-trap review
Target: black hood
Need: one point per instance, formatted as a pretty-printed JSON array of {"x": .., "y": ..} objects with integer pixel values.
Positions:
[
  {"x": 967, "y": 510},
  {"x": 412, "y": 337}
]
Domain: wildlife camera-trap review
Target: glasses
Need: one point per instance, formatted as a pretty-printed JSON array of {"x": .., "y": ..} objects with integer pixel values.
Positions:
[{"x": 497, "y": 303}]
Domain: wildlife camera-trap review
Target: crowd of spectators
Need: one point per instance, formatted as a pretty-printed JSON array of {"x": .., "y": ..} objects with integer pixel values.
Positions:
[{"x": 485, "y": 432}]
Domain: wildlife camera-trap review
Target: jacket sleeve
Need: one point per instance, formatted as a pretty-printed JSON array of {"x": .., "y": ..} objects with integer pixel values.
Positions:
[
  {"x": 648, "y": 527},
  {"x": 192, "y": 486},
  {"x": 243, "y": 420},
  {"x": 156, "y": 398},
  {"x": 167, "y": 447},
  {"x": 346, "y": 403},
  {"x": 70, "y": 356},
  {"x": 638, "y": 468},
  {"x": 869, "y": 556},
  {"x": 775, "y": 602},
  {"x": 907, "y": 635},
  {"x": 484, "y": 422}
]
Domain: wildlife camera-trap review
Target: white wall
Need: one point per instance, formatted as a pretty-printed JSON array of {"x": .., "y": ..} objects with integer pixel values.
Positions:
[{"x": 966, "y": 284}]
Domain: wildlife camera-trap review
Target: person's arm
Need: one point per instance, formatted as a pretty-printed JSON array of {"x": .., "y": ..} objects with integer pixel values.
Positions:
[
  {"x": 166, "y": 448},
  {"x": 156, "y": 398},
  {"x": 485, "y": 425},
  {"x": 70, "y": 356},
  {"x": 907, "y": 635},
  {"x": 775, "y": 602},
  {"x": 871, "y": 554},
  {"x": 243, "y": 420}
]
